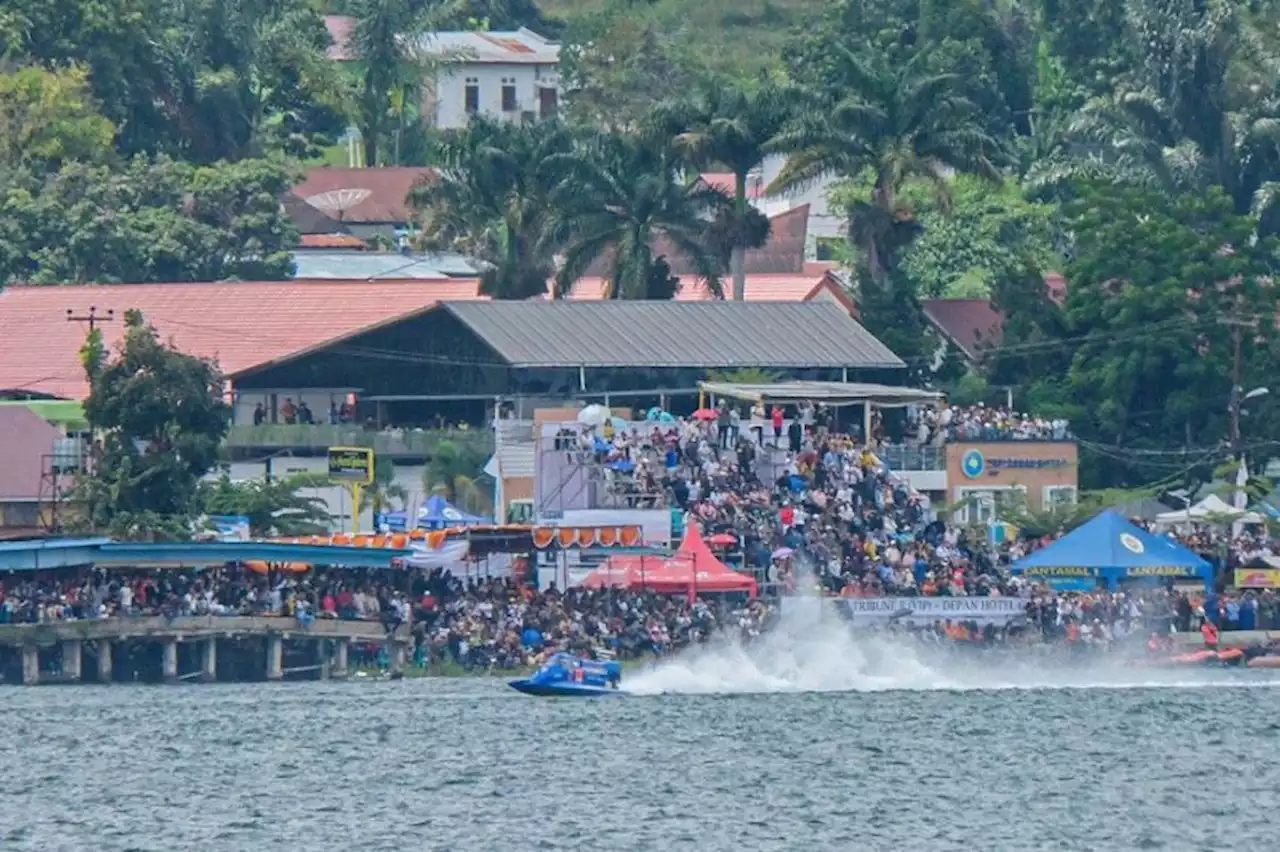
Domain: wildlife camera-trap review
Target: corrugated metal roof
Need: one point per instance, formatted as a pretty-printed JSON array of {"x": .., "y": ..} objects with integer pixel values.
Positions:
[
  {"x": 517, "y": 460},
  {"x": 510, "y": 47},
  {"x": 381, "y": 266},
  {"x": 674, "y": 334}
]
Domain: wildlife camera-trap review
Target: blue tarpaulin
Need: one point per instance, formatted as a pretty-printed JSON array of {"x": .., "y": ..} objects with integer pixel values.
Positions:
[
  {"x": 1110, "y": 548},
  {"x": 437, "y": 514}
]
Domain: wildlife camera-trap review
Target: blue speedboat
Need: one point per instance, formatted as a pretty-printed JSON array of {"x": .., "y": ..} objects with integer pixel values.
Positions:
[{"x": 567, "y": 675}]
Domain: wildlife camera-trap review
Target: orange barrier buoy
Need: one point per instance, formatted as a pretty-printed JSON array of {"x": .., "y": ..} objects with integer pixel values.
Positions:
[
  {"x": 543, "y": 536},
  {"x": 608, "y": 536}
]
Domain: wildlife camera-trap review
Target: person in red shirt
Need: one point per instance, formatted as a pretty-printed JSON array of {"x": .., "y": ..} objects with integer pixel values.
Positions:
[{"x": 776, "y": 417}]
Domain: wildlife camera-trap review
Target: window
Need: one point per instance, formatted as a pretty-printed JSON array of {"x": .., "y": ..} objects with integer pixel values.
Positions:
[
  {"x": 1059, "y": 497},
  {"x": 547, "y": 102},
  {"x": 471, "y": 96},
  {"x": 826, "y": 248},
  {"x": 983, "y": 505},
  {"x": 509, "y": 95}
]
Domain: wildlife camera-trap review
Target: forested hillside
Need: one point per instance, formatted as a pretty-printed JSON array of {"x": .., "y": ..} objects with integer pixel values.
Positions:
[{"x": 1131, "y": 145}]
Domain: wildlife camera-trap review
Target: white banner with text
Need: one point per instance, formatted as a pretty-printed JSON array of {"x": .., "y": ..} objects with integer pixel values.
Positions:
[{"x": 915, "y": 611}]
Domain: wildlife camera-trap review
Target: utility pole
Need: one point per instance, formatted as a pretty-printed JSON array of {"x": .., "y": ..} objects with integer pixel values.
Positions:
[
  {"x": 1237, "y": 326},
  {"x": 92, "y": 318}
]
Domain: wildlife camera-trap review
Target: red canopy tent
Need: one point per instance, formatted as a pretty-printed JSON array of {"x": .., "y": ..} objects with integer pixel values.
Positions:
[{"x": 692, "y": 568}]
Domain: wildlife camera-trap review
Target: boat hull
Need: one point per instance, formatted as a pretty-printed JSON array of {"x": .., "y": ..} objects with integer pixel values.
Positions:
[{"x": 562, "y": 690}]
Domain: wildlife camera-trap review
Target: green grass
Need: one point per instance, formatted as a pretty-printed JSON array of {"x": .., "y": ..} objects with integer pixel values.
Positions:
[{"x": 738, "y": 37}]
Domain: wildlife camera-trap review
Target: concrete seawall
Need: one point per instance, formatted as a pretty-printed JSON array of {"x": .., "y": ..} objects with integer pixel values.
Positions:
[{"x": 54, "y": 652}]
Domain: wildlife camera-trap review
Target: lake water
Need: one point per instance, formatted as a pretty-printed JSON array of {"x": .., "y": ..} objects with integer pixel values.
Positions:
[{"x": 793, "y": 752}]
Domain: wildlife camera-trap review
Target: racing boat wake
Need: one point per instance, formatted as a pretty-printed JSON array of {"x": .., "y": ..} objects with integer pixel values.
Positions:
[{"x": 807, "y": 652}]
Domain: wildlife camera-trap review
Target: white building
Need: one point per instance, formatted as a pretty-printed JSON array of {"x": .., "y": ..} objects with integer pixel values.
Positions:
[{"x": 506, "y": 75}]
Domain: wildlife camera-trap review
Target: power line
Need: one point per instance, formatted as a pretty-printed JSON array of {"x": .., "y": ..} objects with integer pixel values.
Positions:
[{"x": 92, "y": 318}]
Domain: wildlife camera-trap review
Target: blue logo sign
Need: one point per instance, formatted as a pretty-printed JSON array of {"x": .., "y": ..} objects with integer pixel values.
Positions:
[{"x": 973, "y": 464}]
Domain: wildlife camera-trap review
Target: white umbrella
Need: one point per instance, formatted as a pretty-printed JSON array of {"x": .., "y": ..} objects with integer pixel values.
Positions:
[{"x": 593, "y": 415}]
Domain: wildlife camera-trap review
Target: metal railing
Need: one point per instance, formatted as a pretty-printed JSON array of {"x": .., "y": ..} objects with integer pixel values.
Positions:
[
  {"x": 411, "y": 442},
  {"x": 907, "y": 457}
]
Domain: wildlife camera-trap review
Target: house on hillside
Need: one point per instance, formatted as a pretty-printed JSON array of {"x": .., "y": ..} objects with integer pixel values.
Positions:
[
  {"x": 969, "y": 326},
  {"x": 363, "y": 202},
  {"x": 511, "y": 75}
]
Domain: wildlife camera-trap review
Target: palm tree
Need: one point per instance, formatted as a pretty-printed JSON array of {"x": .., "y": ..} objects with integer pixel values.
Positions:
[
  {"x": 491, "y": 202},
  {"x": 1200, "y": 110},
  {"x": 391, "y": 66},
  {"x": 384, "y": 493},
  {"x": 728, "y": 125},
  {"x": 454, "y": 474},
  {"x": 892, "y": 124},
  {"x": 619, "y": 195}
]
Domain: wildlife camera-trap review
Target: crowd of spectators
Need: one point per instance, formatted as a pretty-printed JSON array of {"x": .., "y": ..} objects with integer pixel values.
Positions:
[
  {"x": 789, "y": 492},
  {"x": 984, "y": 423}
]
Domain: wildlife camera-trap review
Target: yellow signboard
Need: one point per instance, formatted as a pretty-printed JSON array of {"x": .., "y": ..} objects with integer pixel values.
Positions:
[
  {"x": 1159, "y": 571},
  {"x": 351, "y": 465},
  {"x": 1257, "y": 578}
]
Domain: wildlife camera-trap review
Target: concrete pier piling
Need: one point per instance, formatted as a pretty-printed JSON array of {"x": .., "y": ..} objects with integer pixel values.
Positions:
[
  {"x": 71, "y": 658},
  {"x": 330, "y": 637},
  {"x": 338, "y": 668},
  {"x": 169, "y": 662},
  {"x": 105, "y": 663},
  {"x": 275, "y": 657},
  {"x": 30, "y": 665}
]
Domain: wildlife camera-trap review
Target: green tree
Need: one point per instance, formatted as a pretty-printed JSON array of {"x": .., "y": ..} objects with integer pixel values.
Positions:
[
  {"x": 126, "y": 45},
  {"x": 1199, "y": 107},
  {"x": 392, "y": 65},
  {"x": 729, "y": 125},
  {"x": 491, "y": 202},
  {"x": 253, "y": 79},
  {"x": 274, "y": 507},
  {"x": 49, "y": 117},
  {"x": 616, "y": 64},
  {"x": 1153, "y": 288},
  {"x": 985, "y": 232},
  {"x": 454, "y": 472},
  {"x": 617, "y": 196},
  {"x": 384, "y": 493},
  {"x": 895, "y": 124},
  {"x": 159, "y": 417},
  {"x": 149, "y": 221}
]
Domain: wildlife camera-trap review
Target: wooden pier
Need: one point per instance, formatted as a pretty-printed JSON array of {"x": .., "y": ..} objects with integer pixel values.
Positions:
[{"x": 55, "y": 652}]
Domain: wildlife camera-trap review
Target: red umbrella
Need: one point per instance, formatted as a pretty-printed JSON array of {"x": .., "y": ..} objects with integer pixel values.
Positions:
[
  {"x": 706, "y": 414},
  {"x": 723, "y": 540}
]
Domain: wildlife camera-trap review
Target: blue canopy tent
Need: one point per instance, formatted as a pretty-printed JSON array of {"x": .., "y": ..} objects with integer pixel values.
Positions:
[
  {"x": 437, "y": 514},
  {"x": 1111, "y": 549}
]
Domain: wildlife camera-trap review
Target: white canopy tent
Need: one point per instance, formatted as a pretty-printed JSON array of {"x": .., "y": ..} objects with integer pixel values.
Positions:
[{"x": 1210, "y": 510}]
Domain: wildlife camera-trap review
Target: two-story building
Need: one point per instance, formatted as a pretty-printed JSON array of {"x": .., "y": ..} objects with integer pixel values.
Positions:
[
  {"x": 508, "y": 75},
  {"x": 512, "y": 75}
]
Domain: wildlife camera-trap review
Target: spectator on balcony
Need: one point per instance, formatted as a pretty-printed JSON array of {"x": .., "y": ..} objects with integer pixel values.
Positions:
[
  {"x": 259, "y": 414},
  {"x": 304, "y": 414},
  {"x": 289, "y": 411}
]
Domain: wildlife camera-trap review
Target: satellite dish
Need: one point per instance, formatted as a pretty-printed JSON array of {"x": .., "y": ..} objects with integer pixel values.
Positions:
[{"x": 338, "y": 200}]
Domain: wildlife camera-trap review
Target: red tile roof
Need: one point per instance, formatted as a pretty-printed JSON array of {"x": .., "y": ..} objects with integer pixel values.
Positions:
[
  {"x": 760, "y": 288},
  {"x": 25, "y": 438},
  {"x": 387, "y": 187},
  {"x": 1055, "y": 284},
  {"x": 727, "y": 183},
  {"x": 243, "y": 324},
  {"x": 782, "y": 253},
  {"x": 342, "y": 29},
  {"x": 331, "y": 241},
  {"x": 971, "y": 324}
]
